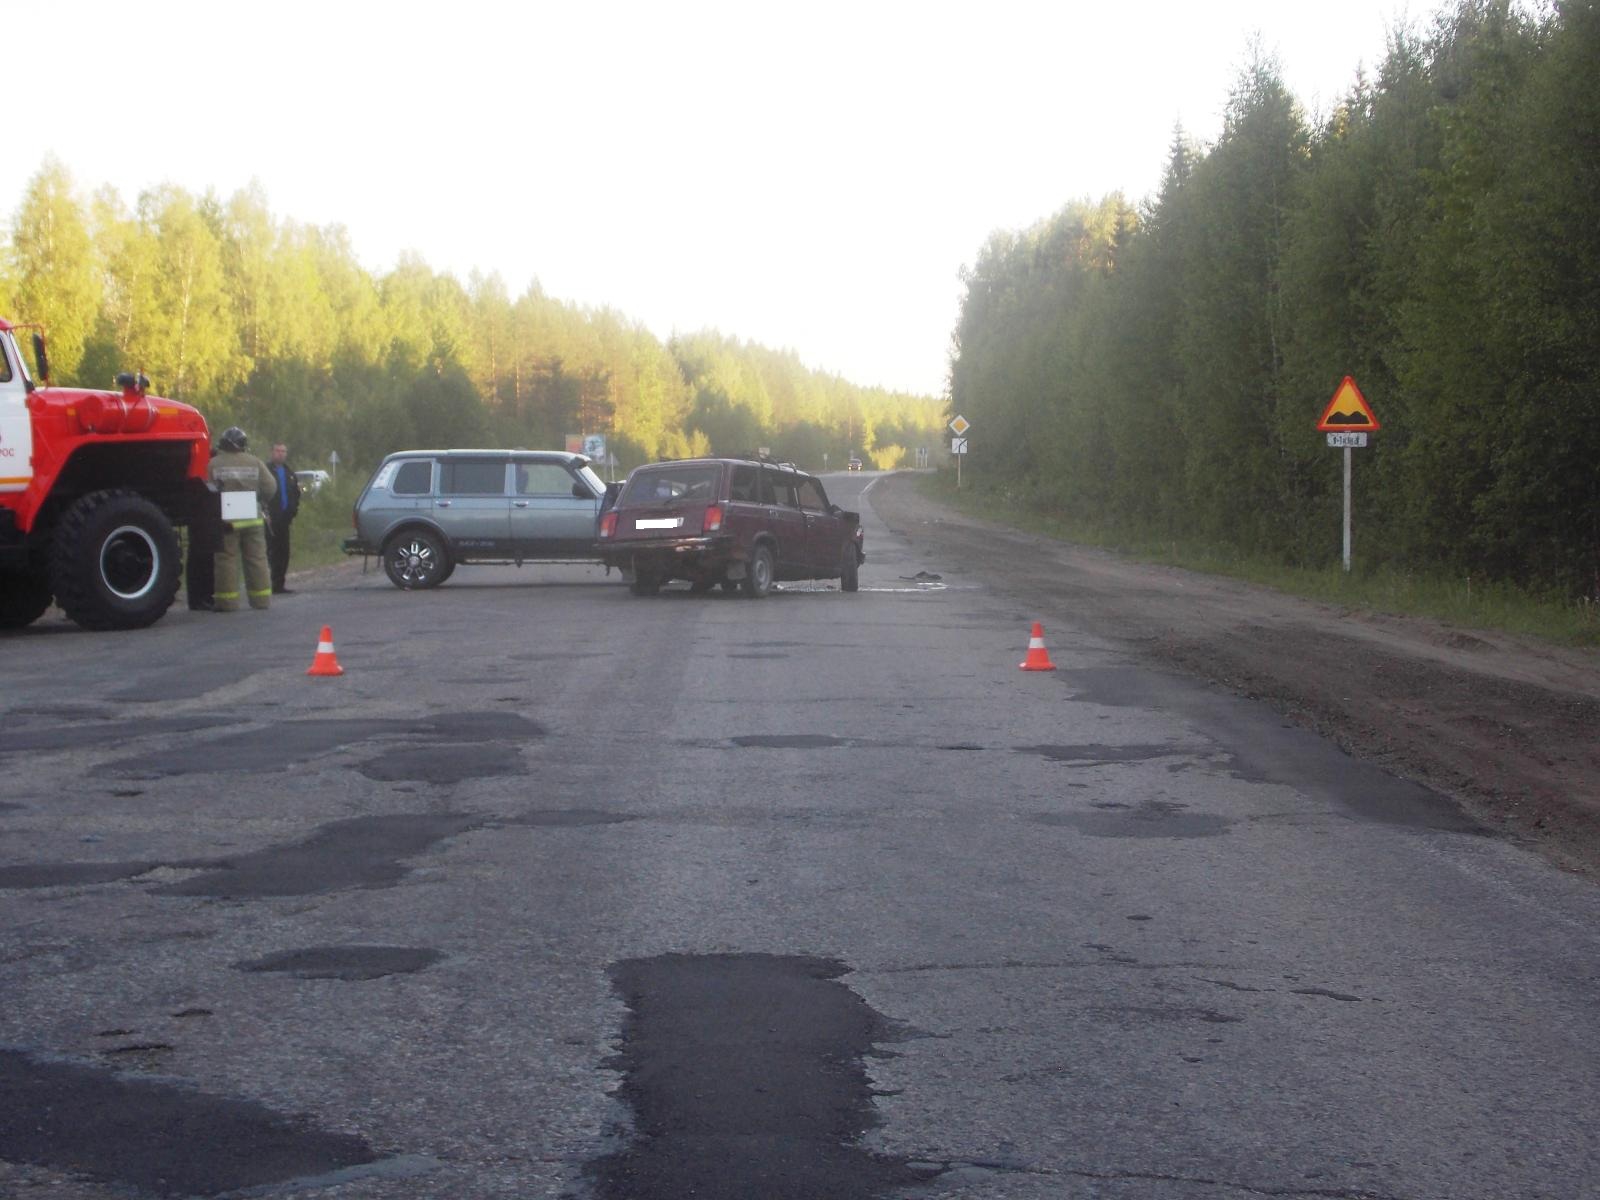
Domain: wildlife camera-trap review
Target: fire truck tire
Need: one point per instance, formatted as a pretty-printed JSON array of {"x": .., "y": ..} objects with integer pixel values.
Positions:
[
  {"x": 24, "y": 595},
  {"x": 115, "y": 561}
]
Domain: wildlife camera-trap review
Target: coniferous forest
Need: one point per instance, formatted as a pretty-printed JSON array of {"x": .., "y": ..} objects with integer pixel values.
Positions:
[
  {"x": 276, "y": 326},
  {"x": 1159, "y": 369},
  {"x": 1153, "y": 369}
]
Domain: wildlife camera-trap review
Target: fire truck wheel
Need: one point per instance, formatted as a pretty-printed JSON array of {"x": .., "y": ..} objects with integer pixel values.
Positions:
[
  {"x": 24, "y": 595},
  {"x": 115, "y": 561}
]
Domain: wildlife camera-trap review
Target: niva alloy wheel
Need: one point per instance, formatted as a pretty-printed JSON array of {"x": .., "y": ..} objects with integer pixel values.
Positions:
[{"x": 416, "y": 560}]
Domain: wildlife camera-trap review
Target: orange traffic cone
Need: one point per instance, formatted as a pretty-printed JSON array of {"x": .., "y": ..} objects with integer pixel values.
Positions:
[
  {"x": 326, "y": 662},
  {"x": 1038, "y": 657}
]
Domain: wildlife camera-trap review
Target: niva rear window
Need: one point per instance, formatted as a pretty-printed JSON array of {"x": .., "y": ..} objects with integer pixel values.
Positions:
[
  {"x": 413, "y": 479},
  {"x": 668, "y": 485}
]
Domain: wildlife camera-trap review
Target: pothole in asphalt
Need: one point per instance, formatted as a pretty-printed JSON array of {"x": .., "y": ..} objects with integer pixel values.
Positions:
[
  {"x": 349, "y": 963},
  {"x": 745, "y": 1076},
  {"x": 155, "y": 1136}
]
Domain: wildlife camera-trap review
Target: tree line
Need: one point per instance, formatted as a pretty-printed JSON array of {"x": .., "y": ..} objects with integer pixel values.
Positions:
[
  {"x": 1159, "y": 369},
  {"x": 275, "y": 326}
]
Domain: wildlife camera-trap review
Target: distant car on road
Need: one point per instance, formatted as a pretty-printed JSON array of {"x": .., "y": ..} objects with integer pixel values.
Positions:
[
  {"x": 854, "y": 464},
  {"x": 736, "y": 523},
  {"x": 426, "y": 511},
  {"x": 311, "y": 481}
]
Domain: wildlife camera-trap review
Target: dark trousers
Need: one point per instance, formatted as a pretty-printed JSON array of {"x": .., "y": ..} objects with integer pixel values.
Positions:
[
  {"x": 199, "y": 566},
  {"x": 278, "y": 550}
]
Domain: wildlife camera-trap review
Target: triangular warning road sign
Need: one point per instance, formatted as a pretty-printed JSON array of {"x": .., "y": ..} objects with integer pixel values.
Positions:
[{"x": 1348, "y": 411}]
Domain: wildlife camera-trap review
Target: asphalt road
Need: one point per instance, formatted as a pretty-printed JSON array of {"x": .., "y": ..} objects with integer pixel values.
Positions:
[{"x": 563, "y": 892}]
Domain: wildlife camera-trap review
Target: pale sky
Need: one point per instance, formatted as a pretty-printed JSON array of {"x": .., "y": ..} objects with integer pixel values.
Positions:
[{"x": 804, "y": 176}]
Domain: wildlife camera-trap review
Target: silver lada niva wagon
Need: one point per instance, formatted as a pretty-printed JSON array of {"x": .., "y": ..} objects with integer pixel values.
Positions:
[{"x": 425, "y": 512}]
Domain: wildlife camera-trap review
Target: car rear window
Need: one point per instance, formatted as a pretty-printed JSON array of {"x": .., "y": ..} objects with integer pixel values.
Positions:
[
  {"x": 413, "y": 479},
  {"x": 667, "y": 485}
]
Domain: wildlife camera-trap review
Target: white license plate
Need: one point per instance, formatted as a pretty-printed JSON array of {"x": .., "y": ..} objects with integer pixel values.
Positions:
[{"x": 659, "y": 523}]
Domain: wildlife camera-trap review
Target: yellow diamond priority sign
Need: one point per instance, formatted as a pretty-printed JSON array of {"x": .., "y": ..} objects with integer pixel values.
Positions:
[{"x": 960, "y": 425}]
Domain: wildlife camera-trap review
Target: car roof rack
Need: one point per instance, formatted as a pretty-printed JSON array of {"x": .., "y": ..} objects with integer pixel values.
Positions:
[{"x": 768, "y": 460}]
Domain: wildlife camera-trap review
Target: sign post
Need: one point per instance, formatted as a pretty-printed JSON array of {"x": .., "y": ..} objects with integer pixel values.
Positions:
[
  {"x": 1347, "y": 420},
  {"x": 958, "y": 444}
]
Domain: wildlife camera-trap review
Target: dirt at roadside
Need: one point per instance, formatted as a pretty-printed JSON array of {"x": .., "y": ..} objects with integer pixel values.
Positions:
[{"x": 1508, "y": 726}]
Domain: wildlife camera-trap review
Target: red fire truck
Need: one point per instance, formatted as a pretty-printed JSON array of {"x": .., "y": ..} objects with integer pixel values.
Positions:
[{"x": 92, "y": 486}]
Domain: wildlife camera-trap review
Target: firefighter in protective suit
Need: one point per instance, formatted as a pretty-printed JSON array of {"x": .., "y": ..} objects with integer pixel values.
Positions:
[{"x": 235, "y": 470}]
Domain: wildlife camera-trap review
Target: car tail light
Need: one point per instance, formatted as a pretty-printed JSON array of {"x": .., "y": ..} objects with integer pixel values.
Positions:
[
  {"x": 608, "y": 524},
  {"x": 713, "y": 521}
]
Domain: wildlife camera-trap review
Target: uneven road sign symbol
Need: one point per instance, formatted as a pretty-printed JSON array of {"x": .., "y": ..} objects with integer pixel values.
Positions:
[{"x": 1348, "y": 411}]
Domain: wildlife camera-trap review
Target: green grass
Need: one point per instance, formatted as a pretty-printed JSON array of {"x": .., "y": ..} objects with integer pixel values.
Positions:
[
  {"x": 323, "y": 522},
  {"x": 1457, "y": 600}
]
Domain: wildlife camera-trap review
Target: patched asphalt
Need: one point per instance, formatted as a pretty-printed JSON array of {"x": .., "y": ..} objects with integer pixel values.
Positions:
[
  {"x": 359, "y": 852},
  {"x": 157, "y": 1136},
  {"x": 443, "y": 764},
  {"x": 1130, "y": 958},
  {"x": 285, "y": 744},
  {"x": 83, "y": 734},
  {"x": 349, "y": 963},
  {"x": 66, "y": 874},
  {"x": 745, "y": 1077}
]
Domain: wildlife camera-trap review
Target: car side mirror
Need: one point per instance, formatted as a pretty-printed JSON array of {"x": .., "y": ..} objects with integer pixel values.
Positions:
[
  {"x": 40, "y": 357},
  {"x": 581, "y": 492}
]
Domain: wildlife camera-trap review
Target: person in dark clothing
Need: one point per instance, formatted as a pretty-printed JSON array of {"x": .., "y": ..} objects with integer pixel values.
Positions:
[
  {"x": 279, "y": 515},
  {"x": 199, "y": 568}
]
